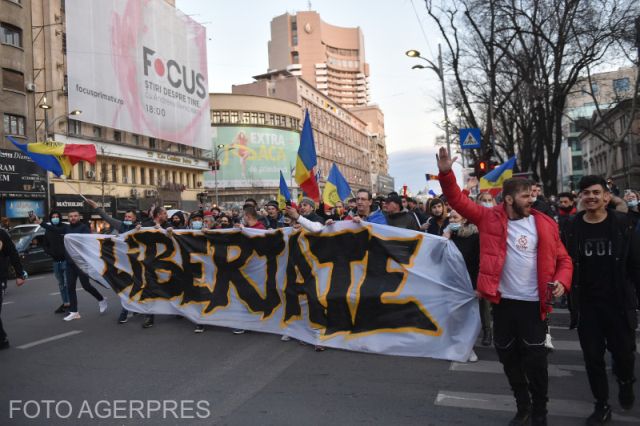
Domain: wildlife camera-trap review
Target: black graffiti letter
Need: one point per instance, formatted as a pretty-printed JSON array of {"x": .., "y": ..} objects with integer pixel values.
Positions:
[
  {"x": 339, "y": 250},
  {"x": 293, "y": 290},
  {"x": 117, "y": 278},
  {"x": 374, "y": 314}
]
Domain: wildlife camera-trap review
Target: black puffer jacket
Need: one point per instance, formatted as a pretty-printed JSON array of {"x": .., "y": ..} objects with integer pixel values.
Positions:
[{"x": 53, "y": 243}]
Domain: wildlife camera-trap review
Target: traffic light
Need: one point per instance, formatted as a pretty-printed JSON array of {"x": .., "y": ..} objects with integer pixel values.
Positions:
[{"x": 481, "y": 168}]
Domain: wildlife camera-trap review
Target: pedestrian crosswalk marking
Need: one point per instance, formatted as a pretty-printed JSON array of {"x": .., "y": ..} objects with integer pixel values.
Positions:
[
  {"x": 497, "y": 402},
  {"x": 494, "y": 367}
]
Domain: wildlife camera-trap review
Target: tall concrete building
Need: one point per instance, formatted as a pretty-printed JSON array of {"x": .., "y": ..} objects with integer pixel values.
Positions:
[
  {"x": 328, "y": 57},
  {"x": 22, "y": 183},
  {"x": 132, "y": 171}
]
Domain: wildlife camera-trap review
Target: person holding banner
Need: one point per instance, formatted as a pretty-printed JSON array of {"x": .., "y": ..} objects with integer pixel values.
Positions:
[
  {"x": 364, "y": 210},
  {"x": 75, "y": 226},
  {"x": 159, "y": 219},
  {"x": 8, "y": 255},
  {"x": 523, "y": 265}
]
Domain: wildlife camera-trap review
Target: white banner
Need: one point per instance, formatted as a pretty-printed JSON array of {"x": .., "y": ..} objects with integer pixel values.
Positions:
[
  {"x": 139, "y": 66},
  {"x": 370, "y": 288}
]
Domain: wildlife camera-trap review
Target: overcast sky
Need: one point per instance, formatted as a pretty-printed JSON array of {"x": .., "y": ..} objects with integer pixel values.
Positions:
[{"x": 239, "y": 30}]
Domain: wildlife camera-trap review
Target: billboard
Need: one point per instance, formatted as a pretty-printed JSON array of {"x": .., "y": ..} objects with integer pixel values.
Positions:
[
  {"x": 20, "y": 177},
  {"x": 253, "y": 156},
  {"x": 138, "y": 66}
]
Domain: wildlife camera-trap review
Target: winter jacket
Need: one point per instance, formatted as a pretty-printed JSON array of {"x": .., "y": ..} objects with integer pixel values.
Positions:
[
  {"x": 554, "y": 264},
  {"x": 626, "y": 271},
  {"x": 9, "y": 256},
  {"x": 53, "y": 243},
  {"x": 403, "y": 219},
  {"x": 467, "y": 240},
  {"x": 64, "y": 229},
  {"x": 276, "y": 223},
  {"x": 433, "y": 227},
  {"x": 375, "y": 216}
]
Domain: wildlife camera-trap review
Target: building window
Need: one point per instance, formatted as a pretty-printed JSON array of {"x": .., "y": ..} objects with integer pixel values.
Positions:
[
  {"x": 594, "y": 88},
  {"x": 182, "y": 149},
  {"x": 12, "y": 80},
  {"x": 81, "y": 175},
  {"x": 173, "y": 176},
  {"x": 254, "y": 118},
  {"x": 143, "y": 178},
  {"x": 125, "y": 174},
  {"x": 244, "y": 119},
  {"x": 117, "y": 136},
  {"x": 114, "y": 173},
  {"x": 14, "y": 125},
  {"x": 10, "y": 35},
  {"x": 215, "y": 117},
  {"x": 152, "y": 143},
  {"x": 166, "y": 176},
  {"x": 295, "y": 57},
  {"x": 152, "y": 176},
  {"x": 621, "y": 85},
  {"x": 261, "y": 118},
  {"x": 133, "y": 175},
  {"x": 97, "y": 132},
  {"x": 136, "y": 139},
  {"x": 224, "y": 117},
  {"x": 234, "y": 117}
]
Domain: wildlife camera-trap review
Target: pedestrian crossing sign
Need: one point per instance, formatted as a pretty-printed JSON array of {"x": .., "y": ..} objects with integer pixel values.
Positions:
[{"x": 470, "y": 138}]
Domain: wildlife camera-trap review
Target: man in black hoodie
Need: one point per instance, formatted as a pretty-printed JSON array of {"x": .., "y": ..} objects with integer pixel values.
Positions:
[
  {"x": 8, "y": 251},
  {"x": 76, "y": 226},
  {"x": 54, "y": 247}
]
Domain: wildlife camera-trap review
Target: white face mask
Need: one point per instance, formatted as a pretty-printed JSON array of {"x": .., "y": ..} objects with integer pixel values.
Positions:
[
  {"x": 196, "y": 224},
  {"x": 534, "y": 199},
  {"x": 486, "y": 203}
]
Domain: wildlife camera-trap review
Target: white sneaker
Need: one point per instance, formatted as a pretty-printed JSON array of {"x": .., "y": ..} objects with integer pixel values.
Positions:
[
  {"x": 102, "y": 305},
  {"x": 72, "y": 316},
  {"x": 285, "y": 338},
  {"x": 547, "y": 342},
  {"x": 473, "y": 357}
]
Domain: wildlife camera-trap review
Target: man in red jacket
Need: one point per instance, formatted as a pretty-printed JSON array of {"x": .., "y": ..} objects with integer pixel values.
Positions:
[{"x": 523, "y": 264}]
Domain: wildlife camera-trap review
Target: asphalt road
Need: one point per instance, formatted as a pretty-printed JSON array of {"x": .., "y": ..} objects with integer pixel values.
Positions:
[{"x": 95, "y": 371}]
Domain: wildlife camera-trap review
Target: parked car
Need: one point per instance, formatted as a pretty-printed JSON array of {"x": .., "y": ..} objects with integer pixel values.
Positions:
[{"x": 29, "y": 241}]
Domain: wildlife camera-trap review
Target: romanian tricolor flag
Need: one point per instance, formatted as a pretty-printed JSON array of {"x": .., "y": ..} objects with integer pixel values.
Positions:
[
  {"x": 430, "y": 177},
  {"x": 336, "y": 188},
  {"x": 283, "y": 195},
  {"x": 307, "y": 161},
  {"x": 57, "y": 157},
  {"x": 492, "y": 181}
]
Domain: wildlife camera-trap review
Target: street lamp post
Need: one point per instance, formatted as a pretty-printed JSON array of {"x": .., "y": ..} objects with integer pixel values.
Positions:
[
  {"x": 438, "y": 69},
  {"x": 46, "y": 107}
]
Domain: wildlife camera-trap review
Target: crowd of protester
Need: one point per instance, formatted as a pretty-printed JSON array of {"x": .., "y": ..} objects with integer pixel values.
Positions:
[{"x": 472, "y": 220}]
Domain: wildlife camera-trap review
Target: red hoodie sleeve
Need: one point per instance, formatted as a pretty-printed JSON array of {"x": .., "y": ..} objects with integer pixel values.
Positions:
[{"x": 458, "y": 200}]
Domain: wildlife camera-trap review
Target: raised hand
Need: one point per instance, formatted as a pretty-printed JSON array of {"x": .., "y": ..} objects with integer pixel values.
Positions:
[{"x": 444, "y": 162}]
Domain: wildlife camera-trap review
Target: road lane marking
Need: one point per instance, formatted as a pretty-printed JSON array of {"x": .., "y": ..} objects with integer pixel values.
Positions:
[
  {"x": 57, "y": 292},
  {"x": 7, "y": 303},
  {"x": 50, "y": 339},
  {"x": 495, "y": 367},
  {"x": 493, "y": 402}
]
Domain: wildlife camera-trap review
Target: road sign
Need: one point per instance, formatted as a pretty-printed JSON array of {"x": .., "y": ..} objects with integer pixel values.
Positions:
[{"x": 470, "y": 138}]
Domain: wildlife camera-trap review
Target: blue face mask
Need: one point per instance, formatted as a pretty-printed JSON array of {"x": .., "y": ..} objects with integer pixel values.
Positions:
[
  {"x": 197, "y": 225},
  {"x": 55, "y": 220},
  {"x": 454, "y": 227},
  {"x": 632, "y": 203},
  {"x": 127, "y": 222}
]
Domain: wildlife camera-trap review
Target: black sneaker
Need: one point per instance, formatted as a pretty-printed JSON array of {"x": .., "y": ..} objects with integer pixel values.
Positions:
[
  {"x": 600, "y": 416},
  {"x": 61, "y": 309},
  {"x": 123, "y": 318},
  {"x": 625, "y": 394},
  {"x": 5, "y": 344},
  {"x": 522, "y": 417},
  {"x": 148, "y": 322},
  {"x": 487, "y": 338}
]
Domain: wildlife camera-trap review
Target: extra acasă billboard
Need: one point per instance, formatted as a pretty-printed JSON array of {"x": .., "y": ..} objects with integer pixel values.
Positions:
[
  {"x": 139, "y": 66},
  {"x": 252, "y": 156}
]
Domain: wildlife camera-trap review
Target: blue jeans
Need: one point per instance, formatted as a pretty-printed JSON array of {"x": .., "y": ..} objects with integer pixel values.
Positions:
[{"x": 59, "y": 269}]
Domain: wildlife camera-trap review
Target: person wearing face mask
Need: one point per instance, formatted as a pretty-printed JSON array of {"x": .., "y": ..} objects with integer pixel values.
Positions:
[
  {"x": 224, "y": 222},
  {"x": 73, "y": 273},
  {"x": 177, "y": 221},
  {"x": 197, "y": 223},
  {"x": 632, "y": 199},
  {"x": 53, "y": 245},
  {"x": 465, "y": 236}
]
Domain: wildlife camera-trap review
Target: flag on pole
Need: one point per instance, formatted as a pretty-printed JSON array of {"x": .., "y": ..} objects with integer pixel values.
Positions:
[
  {"x": 492, "y": 181},
  {"x": 431, "y": 177},
  {"x": 433, "y": 194},
  {"x": 283, "y": 195},
  {"x": 307, "y": 161},
  {"x": 57, "y": 157},
  {"x": 336, "y": 188}
]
